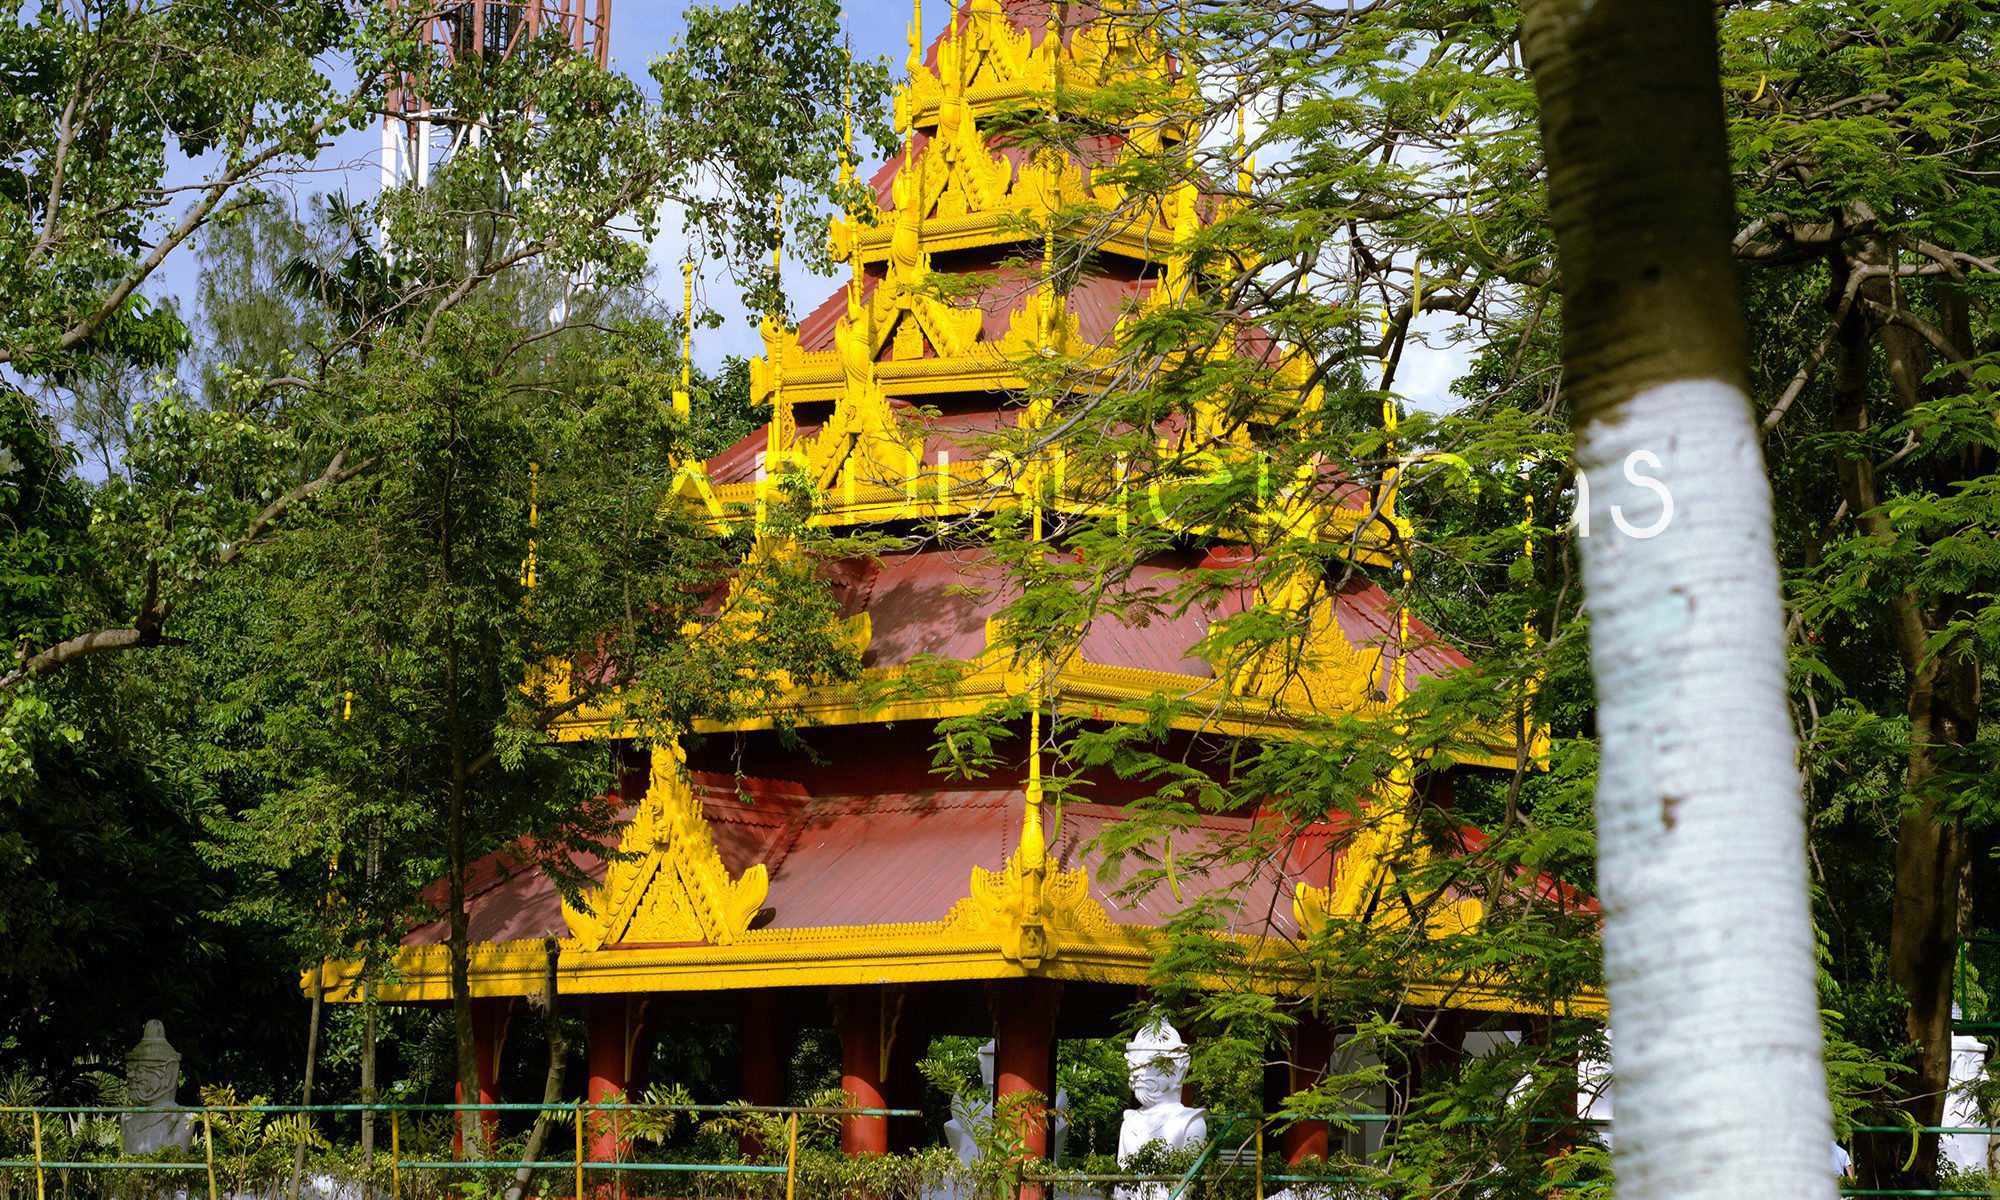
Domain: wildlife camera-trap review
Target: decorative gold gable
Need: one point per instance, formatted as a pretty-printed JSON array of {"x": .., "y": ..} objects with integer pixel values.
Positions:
[
  {"x": 668, "y": 884},
  {"x": 997, "y": 62},
  {"x": 1317, "y": 668},
  {"x": 1033, "y": 907},
  {"x": 1359, "y": 895}
]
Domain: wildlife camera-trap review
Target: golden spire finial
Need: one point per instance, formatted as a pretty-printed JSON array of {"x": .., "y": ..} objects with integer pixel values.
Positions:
[
  {"x": 779, "y": 434},
  {"x": 534, "y": 519},
  {"x": 953, "y": 111},
  {"x": 682, "y": 399},
  {"x": 1392, "y": 477},
  {"x": 1246, "y": 166},
  {"x": 1034, "y": 845},
  {"x": 916, "y": 59},
  {"x": 847, "y": 132},
  {"x": 777, "y": 238}
]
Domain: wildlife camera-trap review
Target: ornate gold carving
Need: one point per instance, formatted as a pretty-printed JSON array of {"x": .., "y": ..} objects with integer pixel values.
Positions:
[
  {"x": 1316, "y": 668},
  {"x": 1366, "y": 888},
  {"x": 673, "y": 887},
  {"x": 1034, "y": 909},
  {"x": 992, "y": 61}
]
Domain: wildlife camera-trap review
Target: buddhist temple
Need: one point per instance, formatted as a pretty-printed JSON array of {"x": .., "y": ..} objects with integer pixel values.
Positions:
[{"x": 830, "y": 876}]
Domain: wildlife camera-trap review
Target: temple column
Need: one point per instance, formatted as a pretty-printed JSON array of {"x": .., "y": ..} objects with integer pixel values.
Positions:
[
  {"x": 1308, "y": 1048},
  {"x": 1443, "y": 1047},
  {"x": 613, "y": 1030},
  {"x": 1024, "y": 1056},
  {"x": 1438, "y": 1049},
  {"x": 489, "y": 1036},
  {"x": 1561, "y": 1137},
  {"x": 765, "y": 1035},
  {"x": 859, "y": 1019}
]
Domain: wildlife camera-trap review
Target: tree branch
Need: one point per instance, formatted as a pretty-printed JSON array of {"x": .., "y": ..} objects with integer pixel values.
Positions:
[
  {"x": 153, "y": 611},
  {"x": 336, "y": 473}
]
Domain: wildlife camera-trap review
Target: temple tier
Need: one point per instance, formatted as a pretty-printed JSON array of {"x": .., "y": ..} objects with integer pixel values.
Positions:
[{"x": 845, "y": 885}]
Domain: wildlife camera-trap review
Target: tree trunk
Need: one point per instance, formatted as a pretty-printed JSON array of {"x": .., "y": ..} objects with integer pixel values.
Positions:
[
  {"x": 1708, "y": 945},
  {"x": 368, "y": 1091},
  {"x": 372, "y": 873},
  {"x": 312, "y": 1057},
  {"x": 552, "y": 1085},
  {"x": 470, "y": 1124},
  {"x": 1942, "y": 704}
]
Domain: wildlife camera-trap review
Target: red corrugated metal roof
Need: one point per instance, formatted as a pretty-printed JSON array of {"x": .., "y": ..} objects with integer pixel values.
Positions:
[
  {"x": 748, "y": 816},
  {"x": 738, "y": 464},
  {"x": 816, "y": 327},
  {"x": 1098, "y": 300},
  {"x": 1369, "y": 617},
  {"x": 908, "y": 856},
  {"x": 508, "y": 896},
  {"x": 936, "y": 601},
  {"x": 1261, "y": 890},
  {"x": 929, "y": 602},
  {"x": 890, "y": 858}
]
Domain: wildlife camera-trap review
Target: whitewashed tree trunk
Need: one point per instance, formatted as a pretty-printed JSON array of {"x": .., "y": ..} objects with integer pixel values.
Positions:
[{"x": 1708, "y": 947}]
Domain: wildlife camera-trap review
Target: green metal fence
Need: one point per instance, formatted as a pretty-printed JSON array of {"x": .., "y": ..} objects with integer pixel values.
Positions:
[
  {"x": 576, "y": 1111},
  {"x": 1210, "y": 1165}
]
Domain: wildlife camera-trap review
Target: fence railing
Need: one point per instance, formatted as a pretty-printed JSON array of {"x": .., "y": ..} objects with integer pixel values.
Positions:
[
  {"x": 1205, "y": 1166},
  {"x": 576, "y": 1110}
]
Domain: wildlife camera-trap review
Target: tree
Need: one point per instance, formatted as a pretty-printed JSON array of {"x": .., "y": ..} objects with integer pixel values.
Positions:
[
  {"x": 1713, "y": 1007},
  {"x": 1244, "y": 428},
  {"x": 391, "y": 658},
  {"x": 200, "y": 481},
  {"x": 569, "y": 152},
  {"x": 1867, "y": 237},
  {"x": 1416, "y": 196}
]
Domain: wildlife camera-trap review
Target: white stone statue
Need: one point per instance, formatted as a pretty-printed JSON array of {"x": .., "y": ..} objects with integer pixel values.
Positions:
[
  {"x": 1966, "y": 1151},
  {"x": 970, "y": 1116},
  {"x": 1158, "y": 1061},
  {"x": 152, "y": 1072}
]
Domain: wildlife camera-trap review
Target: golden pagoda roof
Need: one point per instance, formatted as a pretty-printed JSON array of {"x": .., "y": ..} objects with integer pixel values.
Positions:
[
  {"x": 888, "y": 397},
  {"x": 728, "y": 881}
]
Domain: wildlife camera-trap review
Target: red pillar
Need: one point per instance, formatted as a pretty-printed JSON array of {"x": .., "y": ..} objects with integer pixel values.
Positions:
[
  {"x": 858, "y": 1017},
  {"x": 1308, "y": 1049},
  {"x": 610, "y": 1033},
  {"x": 489, "y": 1035},
  {"x": 765, "y": 1034},
  {"x": 1560, "y": 1138},
  {"x": 1442, "y": 1048},
  {"x": 1024, "y": 1056}
]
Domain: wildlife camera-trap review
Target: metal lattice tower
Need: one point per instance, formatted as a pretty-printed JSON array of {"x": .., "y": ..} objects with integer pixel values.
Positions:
[{"x": 416, "y": 133}]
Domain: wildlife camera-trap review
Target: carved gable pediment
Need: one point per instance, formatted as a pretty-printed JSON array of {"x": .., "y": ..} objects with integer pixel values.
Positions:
[{"x": 669, "y": 884}]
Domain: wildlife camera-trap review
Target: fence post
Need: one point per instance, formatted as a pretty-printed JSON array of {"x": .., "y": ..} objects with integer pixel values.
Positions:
[
  {"x": 791, "y": 1154},
  {"x": 208, "y": 1148},
  {"x": 395, "y": 1154},
  {"x": 579, "y": 1150},
  {"x": 1260, "y": 1160},
  {"x": 41, "y": 1187}
]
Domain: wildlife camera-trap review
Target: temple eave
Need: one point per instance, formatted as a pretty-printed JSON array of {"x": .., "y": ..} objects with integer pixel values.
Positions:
[
  {"x": 1145, "y": 238},
  {"x": 869, "y": 955},
  {"x": 1088, "y": 690}
]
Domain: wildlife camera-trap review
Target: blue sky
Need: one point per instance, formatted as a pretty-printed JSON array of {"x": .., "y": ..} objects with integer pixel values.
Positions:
[
  {"x": 640, "y": 31},
  {"x": 644, "y": 29}
]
